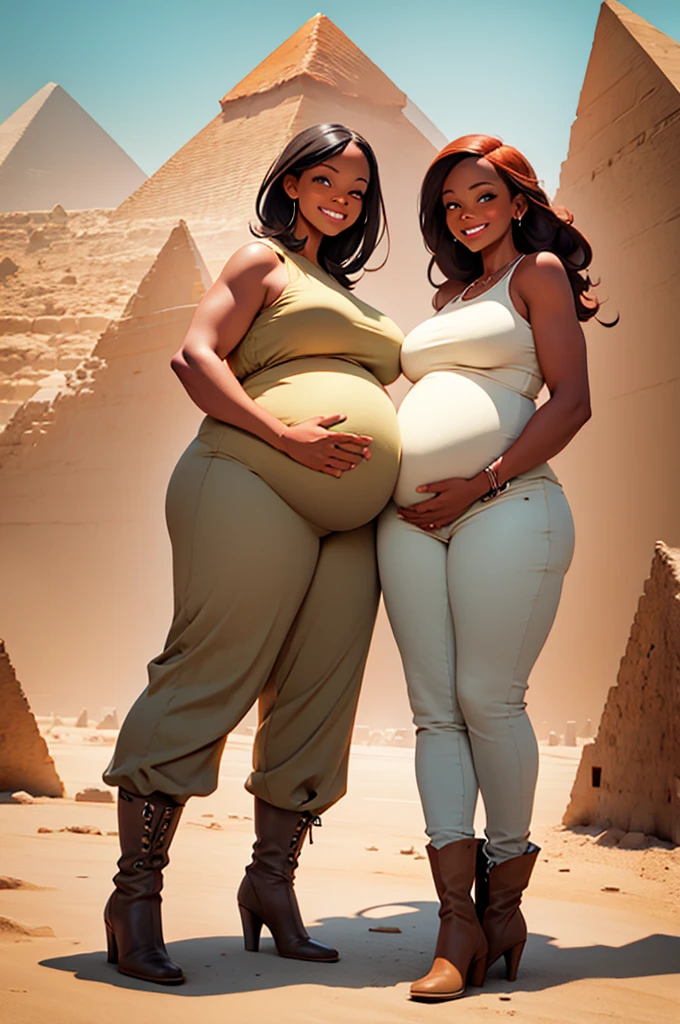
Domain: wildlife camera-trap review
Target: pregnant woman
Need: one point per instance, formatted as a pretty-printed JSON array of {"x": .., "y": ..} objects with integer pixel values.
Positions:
[
  {"x": 270, "y": 512},
  {"x": 474, "y": 550}
]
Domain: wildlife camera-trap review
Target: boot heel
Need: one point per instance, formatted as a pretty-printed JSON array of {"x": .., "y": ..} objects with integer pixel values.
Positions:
[
  {"x": 512, "y": 958},
  {"x": 477, "y": 972},
  {"x": 111, "y": 946},
  {"x": 252, "y": 926}
]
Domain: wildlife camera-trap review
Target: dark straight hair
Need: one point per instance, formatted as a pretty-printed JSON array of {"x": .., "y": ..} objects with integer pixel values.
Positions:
[
  {"x": 544, "y": 228},
  {"x": 348, "y": 252}
]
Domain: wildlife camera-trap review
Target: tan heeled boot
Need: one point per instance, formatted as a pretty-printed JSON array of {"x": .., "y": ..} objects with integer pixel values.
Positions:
[
  {"x": 498, "y": 894},
  {"x": 460, "y": 954}
]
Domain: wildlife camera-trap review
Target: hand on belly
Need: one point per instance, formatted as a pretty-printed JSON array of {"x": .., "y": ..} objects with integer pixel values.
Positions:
[
  {"x": 313, "y": 445},
  {"x": 446, "y": 500}
]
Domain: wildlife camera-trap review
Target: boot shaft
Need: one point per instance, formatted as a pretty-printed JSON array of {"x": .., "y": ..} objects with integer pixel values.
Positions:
[{"x": 146, "y": 827}]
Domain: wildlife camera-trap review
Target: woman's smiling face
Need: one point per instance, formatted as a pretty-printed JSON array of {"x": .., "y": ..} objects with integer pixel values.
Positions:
[
  {"x": 330, "y": 195},
  {"x": 479, "y": 208}
]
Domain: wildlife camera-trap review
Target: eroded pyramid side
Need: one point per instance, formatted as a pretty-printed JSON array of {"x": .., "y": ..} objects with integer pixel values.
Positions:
[{"x": 25, "y": 763}]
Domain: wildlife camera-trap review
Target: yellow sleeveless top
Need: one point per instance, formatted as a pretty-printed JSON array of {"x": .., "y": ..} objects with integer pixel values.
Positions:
[{"x": 318, "y": 350}]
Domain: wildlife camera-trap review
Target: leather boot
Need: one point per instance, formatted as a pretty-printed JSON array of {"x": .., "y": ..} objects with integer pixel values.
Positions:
[
  {"x": 460, "y": 955},
  {"x": 498, "y": 894},
  {"x": 146, "y": 825},
  {"x": 266, "y": 894}
]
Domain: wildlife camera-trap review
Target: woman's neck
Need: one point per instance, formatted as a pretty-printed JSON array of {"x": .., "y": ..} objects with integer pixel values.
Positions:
[{"x": 499, "y": 255}]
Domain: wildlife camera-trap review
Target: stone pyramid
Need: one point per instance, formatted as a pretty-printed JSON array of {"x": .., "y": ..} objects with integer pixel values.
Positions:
[
  {"x": 52, "y": 151},
  {"x": 629, "y": 777},
  {"x": 621, "y": 473},
  {"x": 25, "y": 763},
  {"x": 83, "y": 543},
  {"x": 317, "y": 75}
]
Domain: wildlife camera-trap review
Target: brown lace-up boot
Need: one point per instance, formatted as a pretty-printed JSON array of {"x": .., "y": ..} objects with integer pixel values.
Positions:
[
  {"x": 498, "y": 894},
  {"x": 134, "y": 934},
  {"x": 460, "y": 955},
  {"x": 266, "y": 894}
]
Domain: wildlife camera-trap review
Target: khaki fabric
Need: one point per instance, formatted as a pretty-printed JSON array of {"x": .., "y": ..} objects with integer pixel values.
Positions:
[
  {"x": 264, "y": 607},
  {"x": 275, "y": 576}
]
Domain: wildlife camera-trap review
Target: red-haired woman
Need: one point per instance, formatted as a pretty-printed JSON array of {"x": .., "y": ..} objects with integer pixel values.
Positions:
[{"x": 474, "y": 548}]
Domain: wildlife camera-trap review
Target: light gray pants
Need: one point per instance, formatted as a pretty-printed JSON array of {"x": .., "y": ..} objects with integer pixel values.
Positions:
[{"x": 471, "y": 609}]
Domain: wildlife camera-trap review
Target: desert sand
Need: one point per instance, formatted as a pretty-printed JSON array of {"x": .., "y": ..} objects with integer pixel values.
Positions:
[{"x": 604, "y": 922}]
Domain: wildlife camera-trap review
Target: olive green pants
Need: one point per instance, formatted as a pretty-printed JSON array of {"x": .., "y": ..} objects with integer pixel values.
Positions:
[{"x": 265, "y": 608}]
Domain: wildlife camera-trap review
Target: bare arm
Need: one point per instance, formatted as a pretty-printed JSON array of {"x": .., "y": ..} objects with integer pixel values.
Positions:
[
  {"x": 544, "y": 288},
  {"x": 252, "y": 279}
]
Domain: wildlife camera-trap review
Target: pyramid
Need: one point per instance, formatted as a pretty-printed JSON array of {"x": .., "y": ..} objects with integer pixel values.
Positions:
[
  {"x": 25, "y": 763},
  {"x": 317, "y": 75},
  {"x": 52, "y": 151},
  {"x": 83, "y": 542},
  {"x": 621, "y": 473},
  {"x": 629, "y": 777},
  {"x": 320, "y": 51}
]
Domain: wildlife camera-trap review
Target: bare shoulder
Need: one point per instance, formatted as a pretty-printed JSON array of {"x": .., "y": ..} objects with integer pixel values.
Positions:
[
  {"x": 446, "y": 292},
  {"x": 539, "y": 270},
  {"x": 252, "y": 263}
]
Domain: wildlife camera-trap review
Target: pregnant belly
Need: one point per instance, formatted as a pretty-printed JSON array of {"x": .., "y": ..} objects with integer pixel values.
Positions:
[
  {"x": 453, "y": 425},
  {"x": 296, "y": 391}
]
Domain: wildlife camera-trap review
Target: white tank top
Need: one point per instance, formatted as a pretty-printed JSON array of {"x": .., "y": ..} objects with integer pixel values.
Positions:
[{"x": 476, "y": 377}]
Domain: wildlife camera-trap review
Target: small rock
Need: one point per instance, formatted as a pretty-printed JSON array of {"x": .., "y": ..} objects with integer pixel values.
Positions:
[
  {"x": 610, "y": 888},
  {"x": 7, "y": 268},
  {"x": 410, "y": 852},
  {"x": 611, "y": 837},
  {"x": 386, "y": 931},
  {"x": 83, "y": 830},
  {"x": 633, "y": 841},
  {"x": 372, "y": 849},
  {"x": 43, "y": 830},
  {"x": 68, "y": 279},
  {"x": 95, "y": 796},
  {"x": 564, "y": 870},
  {"x": 22, "y": 797}
]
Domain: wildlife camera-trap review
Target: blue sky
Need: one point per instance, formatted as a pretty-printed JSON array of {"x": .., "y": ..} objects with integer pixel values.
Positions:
[{"x": 151, "y": 72}]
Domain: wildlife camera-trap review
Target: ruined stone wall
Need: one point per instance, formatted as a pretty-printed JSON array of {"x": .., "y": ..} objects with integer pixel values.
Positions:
[
  {"x": 25, "y": 763},
  {"x": 621, "y": 473},
  {"x": 629, "y": 777},
  {"x": 83, "y": 542}
]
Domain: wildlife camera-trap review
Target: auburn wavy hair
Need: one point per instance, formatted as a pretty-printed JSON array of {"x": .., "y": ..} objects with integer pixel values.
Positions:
[
  {"x": 543, "y": 228},
  {"x": 349, "y": 251}
]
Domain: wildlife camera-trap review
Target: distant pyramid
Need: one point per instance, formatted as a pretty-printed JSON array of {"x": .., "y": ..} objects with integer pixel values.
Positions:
[
  {"x": 83, "y": 542},
  {"x": 52, "y": 151},
  {"x": 629, "y": 777},
  {"x": 25, "y": 762},
  {"x": 316, "y": 75},
  {"x": 621, "y": 474}
]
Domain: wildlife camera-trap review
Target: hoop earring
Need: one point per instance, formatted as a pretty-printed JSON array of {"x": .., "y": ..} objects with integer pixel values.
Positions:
[{"x": 291, "y": 223}]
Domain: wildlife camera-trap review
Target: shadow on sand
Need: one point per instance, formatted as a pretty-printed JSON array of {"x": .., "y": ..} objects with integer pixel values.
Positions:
[{"x": 218, "y": 964}]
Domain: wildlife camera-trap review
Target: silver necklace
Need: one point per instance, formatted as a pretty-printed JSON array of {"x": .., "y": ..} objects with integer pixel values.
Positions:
[{"x": 481, "y": 281}]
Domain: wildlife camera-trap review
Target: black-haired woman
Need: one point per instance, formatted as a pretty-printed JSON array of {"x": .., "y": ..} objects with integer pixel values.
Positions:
[
  {"x": 474, "y": 551},
  {"x": 271, "y": 515}
]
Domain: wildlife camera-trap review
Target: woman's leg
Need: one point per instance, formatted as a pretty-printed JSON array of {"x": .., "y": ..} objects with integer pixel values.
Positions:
[
  {"x": 243, "y": 561},
  {"x": 302, "y": 745},
  {"x": 506, "y": 565},
  {"x": 307, "y": 708},
  {"x": 413, "y": 575}
]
